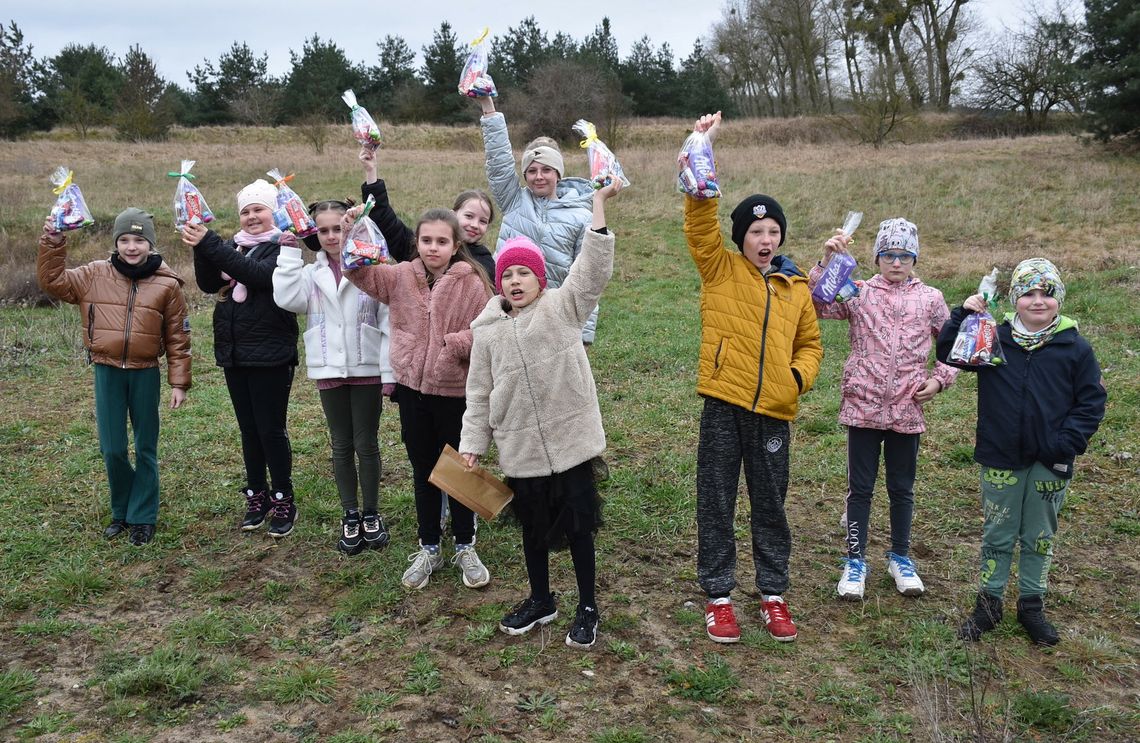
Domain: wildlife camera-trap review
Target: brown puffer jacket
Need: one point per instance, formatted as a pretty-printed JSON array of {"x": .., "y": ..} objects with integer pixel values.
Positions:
[{"x": 126, "y": 323}]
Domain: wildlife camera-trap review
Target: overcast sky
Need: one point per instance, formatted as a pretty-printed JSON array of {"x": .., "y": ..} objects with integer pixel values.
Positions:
[{"x": 179, "y": 35}]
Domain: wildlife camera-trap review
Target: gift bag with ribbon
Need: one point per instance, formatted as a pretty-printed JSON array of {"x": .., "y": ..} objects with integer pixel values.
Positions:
[{"x": 189, "y": 205}]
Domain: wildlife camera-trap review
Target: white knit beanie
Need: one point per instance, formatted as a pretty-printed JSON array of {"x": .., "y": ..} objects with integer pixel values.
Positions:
[{"x": 258, "y": 192}]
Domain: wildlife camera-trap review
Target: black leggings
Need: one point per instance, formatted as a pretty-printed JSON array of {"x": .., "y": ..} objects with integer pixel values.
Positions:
[
  {"x": 353, "y": 415},
  {"x": 260, "y": 396},
  {"x": 581, "y": 552}
]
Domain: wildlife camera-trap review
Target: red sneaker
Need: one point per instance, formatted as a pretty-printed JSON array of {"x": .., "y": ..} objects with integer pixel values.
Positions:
[
  {"x": 778, "y": 620},
  {"x": 720, "y": 621}
]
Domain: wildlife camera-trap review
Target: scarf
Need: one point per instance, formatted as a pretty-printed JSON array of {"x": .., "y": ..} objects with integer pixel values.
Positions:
[
  {"x": 1032, "y": 340},
  {"x": 141, "y": 271},
  {"x": 238, "y": 291}
]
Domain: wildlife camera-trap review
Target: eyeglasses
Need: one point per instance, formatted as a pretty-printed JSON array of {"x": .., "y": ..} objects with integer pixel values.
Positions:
[{"x": 903, "y": 258}]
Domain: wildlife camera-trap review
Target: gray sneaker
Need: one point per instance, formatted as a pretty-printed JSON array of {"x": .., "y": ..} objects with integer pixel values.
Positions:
[
  {"x": 423, "y": 563},
  {"x": 475, "y": 573}
]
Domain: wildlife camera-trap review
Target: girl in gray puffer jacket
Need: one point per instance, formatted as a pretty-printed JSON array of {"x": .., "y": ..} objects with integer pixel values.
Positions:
[{"x": 551, "y": 210}]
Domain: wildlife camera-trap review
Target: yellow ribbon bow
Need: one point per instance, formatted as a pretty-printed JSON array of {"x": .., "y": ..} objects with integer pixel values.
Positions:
[
  {"x": 58, "y": 190},
  {"x": 591, "y": 135},
  {"x": 482, "y": 36}
]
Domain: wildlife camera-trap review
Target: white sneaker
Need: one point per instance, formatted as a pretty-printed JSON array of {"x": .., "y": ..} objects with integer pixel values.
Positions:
[
  {"x": 475, "y": 573},
  {"x": 853, "y": 580},
  {"x": 423, "y": 563},
  {"x": 906, "y": 577}
]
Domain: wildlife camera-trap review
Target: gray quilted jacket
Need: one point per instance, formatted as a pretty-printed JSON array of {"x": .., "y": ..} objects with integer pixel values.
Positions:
[{"x": 555, "y": 225}]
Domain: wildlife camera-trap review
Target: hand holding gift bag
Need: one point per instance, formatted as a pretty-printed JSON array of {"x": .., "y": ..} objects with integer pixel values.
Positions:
[
  {"x": 977, "y": 343},
  {"x": 364, "y": 245},
  {"x": 70, "y": 211},
  {"x": 604, "y": 165},
  {"x": 475, "y": 81},
  {"x": 291, "y": 214},
  {"x": 836, "y": 285},
  {"x": 189, "y": 205},
  {"x": 697, "y": 175}
]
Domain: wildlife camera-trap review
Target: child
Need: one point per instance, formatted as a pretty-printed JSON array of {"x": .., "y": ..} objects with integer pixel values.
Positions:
[
  {"x": 255, "y": 343},
  {"x": 893, "y": 321},
  {"x": 432, "y": 301},
  {"x": 346, "y": 351},
  {"x": 551, "y": 210},
  {"x": 531, "y": 389},
  {"x": 473, "y": 208},
  {"x": 760, "y": 351},
  {"x": 133, "y": 312},
  {"x": 1036, "y": 413}
]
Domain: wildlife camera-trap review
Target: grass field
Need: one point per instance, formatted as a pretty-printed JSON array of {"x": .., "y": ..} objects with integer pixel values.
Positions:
[{"x": 212, "y": 634}]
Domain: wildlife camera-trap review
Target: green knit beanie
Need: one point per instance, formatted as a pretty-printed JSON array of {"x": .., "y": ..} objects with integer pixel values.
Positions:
[{"x": 132, "y": 221}]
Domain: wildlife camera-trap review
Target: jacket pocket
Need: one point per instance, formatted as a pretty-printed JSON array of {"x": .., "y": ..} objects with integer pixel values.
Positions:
[
  {"x": 720, "y": 357},
  {"x": 449, "y": 371},
  {"x": 315, "y": 353},
  {"x": 370, "y": 343}
]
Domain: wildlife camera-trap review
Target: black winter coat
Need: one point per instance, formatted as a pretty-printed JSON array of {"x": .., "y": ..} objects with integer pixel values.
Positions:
[
  {"x": 255, "y": 332},
  {"x": 1040, "y": 406}
]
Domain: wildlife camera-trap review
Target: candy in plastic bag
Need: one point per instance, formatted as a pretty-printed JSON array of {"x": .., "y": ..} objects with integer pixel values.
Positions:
[
  {"x": 977, "y": 342},
  {"x": 835, "y": 285},
  {"x": 604, "y": 165},
  {"x": 189, "y": 205},
  {"x": 698, "y": 168},
  {"x": 70, "y": 211},
  {"x": 364, "y": 245},
  {"x": 363, "y": 126},
  {"x": 290, "y": 214},
  {"x": 475, "y": 81}
]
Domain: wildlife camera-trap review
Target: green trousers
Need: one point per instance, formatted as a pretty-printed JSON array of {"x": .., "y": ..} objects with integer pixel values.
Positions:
[
  {"x": 121, "y": 394},
  {"x": 1020, "y": 507}
]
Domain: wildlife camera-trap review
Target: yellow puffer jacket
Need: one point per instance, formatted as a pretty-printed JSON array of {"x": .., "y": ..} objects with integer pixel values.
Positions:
[{"x": 755, "y": 330}]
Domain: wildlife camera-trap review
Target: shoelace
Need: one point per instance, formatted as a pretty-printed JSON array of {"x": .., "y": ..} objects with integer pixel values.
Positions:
[
  {"x": 280, "y": 509},
  {"x": 467, "y": 561},
  {"x": 856, "y": 569},
  {"x": 421, "y": 561},
  {"x": 371, "y": 523},
  {"x": 352, "y": 529},
  {"x": 723, "y": 614},
  {"x": 777, "y": 611},
  {"x": 583, "y": 618},
  {"x": 255, "y": 501},
  {"x": 905, "y": 566}
]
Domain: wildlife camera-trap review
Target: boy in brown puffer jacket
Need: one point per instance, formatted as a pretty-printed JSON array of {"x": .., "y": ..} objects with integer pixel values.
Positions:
[{"x": 133, "y": 312}]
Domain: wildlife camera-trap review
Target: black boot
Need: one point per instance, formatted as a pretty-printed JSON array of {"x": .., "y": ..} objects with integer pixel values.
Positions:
[
  {"x": 986, "y": 616},
  {"x": 115, "y": 528},
  {"x": 1031, "y": 614}
]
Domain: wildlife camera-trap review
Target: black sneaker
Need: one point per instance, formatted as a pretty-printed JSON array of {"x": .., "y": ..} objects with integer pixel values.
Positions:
[
  {"x": 986, "y": 616},
  {"x": 1031, "y": 615},
  {"x": 375, "y": 533},
  {"x": 256, "y": 508},
  {"x": 527, "y": 614},
  {"x": 351, "y": 541},
  {"x": 584, "y": 632},
  {"x": 141, "y": 534},
  {"x": 115, "y": 528},
  {"x": 282, "y": 514}
]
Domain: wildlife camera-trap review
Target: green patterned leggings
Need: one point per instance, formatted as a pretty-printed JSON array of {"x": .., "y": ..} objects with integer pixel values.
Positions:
[{"x": 1019, "y": 506}]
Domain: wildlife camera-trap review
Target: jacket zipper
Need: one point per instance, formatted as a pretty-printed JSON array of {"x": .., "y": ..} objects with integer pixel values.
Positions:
[
  {"x": 763, "y": 341},
  {"x": 130, "y": 311},
  {"x": 530, "y": 391}
]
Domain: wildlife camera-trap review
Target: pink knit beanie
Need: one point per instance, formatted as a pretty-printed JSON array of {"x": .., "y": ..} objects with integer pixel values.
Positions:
[{"x": 520, "y": 251}]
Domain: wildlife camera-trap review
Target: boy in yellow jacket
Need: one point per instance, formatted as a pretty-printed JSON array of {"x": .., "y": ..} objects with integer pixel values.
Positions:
[{"x": 760, "y": 350}]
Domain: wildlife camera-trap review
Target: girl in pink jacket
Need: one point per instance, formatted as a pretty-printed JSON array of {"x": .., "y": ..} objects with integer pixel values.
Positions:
[
  {"x": 893, "y": 320},
  {"x": 431, "y": 303}
]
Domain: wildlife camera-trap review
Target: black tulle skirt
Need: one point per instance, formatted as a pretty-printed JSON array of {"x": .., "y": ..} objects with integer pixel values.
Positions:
[{"x": 552, "y": 508}]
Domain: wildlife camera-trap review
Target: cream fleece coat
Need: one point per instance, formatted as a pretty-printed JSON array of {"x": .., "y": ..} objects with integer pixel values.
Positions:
[
  {"x": 530, "y": 386},
  {"x": 431, "y": 326}
]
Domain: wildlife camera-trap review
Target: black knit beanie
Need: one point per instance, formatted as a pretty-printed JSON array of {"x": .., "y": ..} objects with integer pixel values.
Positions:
[{"x": 756, "y": 206}]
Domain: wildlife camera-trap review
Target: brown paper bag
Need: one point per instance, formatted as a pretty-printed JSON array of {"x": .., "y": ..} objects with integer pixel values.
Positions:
[{"x": 476, "y": 488}]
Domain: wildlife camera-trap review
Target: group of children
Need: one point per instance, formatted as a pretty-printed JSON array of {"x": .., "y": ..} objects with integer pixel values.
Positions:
[{"x": 478, "y": 349}]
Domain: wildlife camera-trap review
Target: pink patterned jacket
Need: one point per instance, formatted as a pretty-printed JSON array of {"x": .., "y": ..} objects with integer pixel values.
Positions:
[{"x": 891, "y": 330}]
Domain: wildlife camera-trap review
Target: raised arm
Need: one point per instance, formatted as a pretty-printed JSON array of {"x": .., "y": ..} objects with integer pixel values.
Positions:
[
  {"x": 401, "y": 239},
  {"x": 502, "y": 178},
  {"x": 62, "y": 283},
  {"x": 837, "y": 243},
  {"x": 593, "y": 267},
  {"x": 291, "y": 282}
]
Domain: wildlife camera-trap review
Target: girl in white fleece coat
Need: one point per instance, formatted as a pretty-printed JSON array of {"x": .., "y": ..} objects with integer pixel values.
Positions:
[{"x": 530, "y": 389}]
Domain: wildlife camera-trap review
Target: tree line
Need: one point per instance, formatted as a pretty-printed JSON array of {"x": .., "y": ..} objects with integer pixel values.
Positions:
[{"x": 877, "y": 58}]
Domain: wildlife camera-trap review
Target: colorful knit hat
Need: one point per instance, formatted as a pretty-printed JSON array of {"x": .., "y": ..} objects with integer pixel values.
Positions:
[
  {"x": 520, "y": 251},
  {"x": 897, "y": 234},
  {"x": 1036, "y": 273}
]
